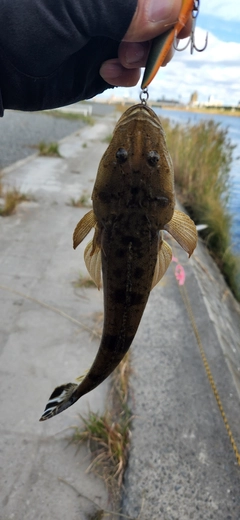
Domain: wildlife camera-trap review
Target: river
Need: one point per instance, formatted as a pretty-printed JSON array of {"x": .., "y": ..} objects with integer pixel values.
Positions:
[{"x": 233, "y": 125}]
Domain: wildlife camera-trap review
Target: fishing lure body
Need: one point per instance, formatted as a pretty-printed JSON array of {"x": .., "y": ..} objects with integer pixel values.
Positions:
[{"x": 162, "y": 44}]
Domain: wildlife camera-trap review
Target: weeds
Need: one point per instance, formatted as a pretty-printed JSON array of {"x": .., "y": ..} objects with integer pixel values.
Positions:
[
  {"x": 202, "y": 156},
  {"x": 1, "y": 186},
  {"x": 88, "y": 120},
  {"x": 84, "y": 281},
  {"x": 84, "y": 201},
  {"x": 48, "y": 149},
  {"x": 11, "y": 197},
  {"x": 108, "y": 436}
]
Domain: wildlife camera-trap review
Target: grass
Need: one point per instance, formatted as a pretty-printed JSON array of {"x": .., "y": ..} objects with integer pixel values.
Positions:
[
  {"x": 88, "y": 120},
  {"x": 108, "y": 435},
  {"x": 48, "y": 149},
  {"x": 11, "y": 197},
  {"x": 84, "y": 281},
  {"x": 202, "y": 156},
  {"x": 1, "y": 185},
  {"x": 84, "y": 201}
]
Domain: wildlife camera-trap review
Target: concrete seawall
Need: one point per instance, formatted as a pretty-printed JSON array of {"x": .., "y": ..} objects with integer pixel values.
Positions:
[{"x": 182, "y": 465}]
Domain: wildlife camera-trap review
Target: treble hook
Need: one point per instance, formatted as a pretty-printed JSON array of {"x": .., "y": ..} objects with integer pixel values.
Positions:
[{"x": 191, "y": 39}]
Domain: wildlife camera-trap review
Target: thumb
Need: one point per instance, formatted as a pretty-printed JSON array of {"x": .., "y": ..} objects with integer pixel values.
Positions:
[{"x": 151, "y": 18}]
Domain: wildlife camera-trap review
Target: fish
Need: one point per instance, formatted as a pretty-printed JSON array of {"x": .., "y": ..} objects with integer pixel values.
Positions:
[{"x": 133, "y": 204}]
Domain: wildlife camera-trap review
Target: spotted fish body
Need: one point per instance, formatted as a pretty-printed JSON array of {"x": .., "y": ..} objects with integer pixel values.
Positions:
[{"x": 133, "y": 201}]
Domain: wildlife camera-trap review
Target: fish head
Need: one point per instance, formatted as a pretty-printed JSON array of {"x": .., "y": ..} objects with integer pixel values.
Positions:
[{"x": 137, "y": 157}]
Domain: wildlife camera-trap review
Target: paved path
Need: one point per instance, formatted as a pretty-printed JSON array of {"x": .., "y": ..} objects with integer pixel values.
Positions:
[
  {"x": 181, "y": 465},
  {"x": 39, "y": 348}
]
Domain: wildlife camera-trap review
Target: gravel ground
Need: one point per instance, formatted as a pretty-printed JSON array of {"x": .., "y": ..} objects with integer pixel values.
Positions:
[{"x": 21, "y": 131}]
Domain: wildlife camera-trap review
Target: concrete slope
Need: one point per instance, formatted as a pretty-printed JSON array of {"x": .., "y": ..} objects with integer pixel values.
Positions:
[{"x": 182, "y": 465}]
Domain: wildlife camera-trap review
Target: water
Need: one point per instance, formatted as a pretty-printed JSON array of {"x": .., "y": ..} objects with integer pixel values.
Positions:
[{"x": 233, "y": 125}]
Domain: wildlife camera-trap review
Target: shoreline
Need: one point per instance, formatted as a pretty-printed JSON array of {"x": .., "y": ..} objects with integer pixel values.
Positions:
[{"x": 234, "y": 113}]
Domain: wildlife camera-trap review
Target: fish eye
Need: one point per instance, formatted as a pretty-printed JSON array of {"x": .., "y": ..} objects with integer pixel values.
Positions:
[
  {"x": 121, "y": 155},
  {"x": 163, "y": 201},
  {"x": 153, "y": 158}
]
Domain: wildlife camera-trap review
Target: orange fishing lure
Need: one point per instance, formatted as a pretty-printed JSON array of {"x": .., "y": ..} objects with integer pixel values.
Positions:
[{"x": 163, "y": 43}]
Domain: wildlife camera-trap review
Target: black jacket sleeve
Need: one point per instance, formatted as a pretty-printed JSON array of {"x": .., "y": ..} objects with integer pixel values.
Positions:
[{"x": 51, "y": 50}]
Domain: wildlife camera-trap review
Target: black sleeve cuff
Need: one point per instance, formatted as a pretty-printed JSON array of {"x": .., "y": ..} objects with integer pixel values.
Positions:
[{"x": 56, "y": 49}]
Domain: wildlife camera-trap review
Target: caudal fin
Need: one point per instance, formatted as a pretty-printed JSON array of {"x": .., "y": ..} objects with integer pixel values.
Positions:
[{"x": 60, "y": 399}]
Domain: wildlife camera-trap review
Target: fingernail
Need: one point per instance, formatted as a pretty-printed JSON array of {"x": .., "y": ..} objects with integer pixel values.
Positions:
[
  {"x": 135, "y": 53},
  {"x": 159, "y": 10}
]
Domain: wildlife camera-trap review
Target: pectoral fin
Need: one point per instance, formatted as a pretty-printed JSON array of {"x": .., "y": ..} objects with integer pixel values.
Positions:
[
  {"x": 163, "y": 261},
  {"x": 183, "y": 229},
  {"x": 83, "y": 227},
  {"x": 93, "y": 263}
]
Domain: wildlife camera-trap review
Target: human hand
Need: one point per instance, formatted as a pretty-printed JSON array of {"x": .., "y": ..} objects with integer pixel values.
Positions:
[{"x": 152, "y": 18}]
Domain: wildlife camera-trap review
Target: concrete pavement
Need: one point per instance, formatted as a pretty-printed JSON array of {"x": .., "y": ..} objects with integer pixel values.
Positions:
[
  {"x": 41, "y": 348},
  {"x": 181, "y": 464}
]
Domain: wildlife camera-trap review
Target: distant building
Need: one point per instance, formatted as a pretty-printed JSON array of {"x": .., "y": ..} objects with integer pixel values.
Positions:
[
  {"x": 193, "y": 102},
  {"x": 121, "y": 100},
  {"x": 167, "y": 102},
  {"x": 212, "y": 102}
]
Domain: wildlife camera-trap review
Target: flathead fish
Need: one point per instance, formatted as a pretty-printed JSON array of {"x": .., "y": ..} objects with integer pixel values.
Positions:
[{"x": 133, "y": 202}]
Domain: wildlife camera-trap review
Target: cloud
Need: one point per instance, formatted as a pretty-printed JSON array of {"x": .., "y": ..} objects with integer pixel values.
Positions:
[
  {"x": 227, "y": 31},
  {"x": 217, "y": 51},
  {"x": 214, "y": 72},
  {"x": 229, "y": 10}
]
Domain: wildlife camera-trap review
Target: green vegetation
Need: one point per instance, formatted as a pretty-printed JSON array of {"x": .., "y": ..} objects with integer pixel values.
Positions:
[
  {"x": 202, "y": 156},
  {"x": 88, "y": 120},
  {"x": 48, "y": 149},
  {"x": 108, "y": 435},
  {"x": 84, "y": 201},
  {"x": 224, "y": 110},
  {"x": 11, "y": 197},
  {"x": 84, "y": 281},
  {"x": 1, "y": 185}
]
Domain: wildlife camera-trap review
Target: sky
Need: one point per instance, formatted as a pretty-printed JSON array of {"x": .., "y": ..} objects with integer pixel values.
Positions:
[{"x": 214, "y": 72}]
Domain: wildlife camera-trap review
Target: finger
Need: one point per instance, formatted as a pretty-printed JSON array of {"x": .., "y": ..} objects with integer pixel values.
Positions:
[
  {"x": 186, "y": 31},
  {"x": 115, "y": 74},
  {"x": 133, "y": 55},
  {"x": 151, "y": 18}
]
